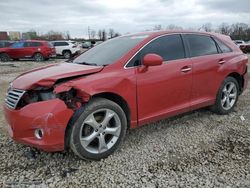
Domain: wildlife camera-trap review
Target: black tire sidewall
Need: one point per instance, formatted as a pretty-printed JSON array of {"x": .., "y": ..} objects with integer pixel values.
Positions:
[
  {"x": 66, "y": 52},
  {"x": 218, "y": 104},
  {"x": 40, "y": 56},
  {"x": 4, "y": 57},
  {"x": 94, "y": 105}
]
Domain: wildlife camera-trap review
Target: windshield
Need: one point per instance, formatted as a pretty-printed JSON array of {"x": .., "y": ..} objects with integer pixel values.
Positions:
[{"x": 108, "y": 52}]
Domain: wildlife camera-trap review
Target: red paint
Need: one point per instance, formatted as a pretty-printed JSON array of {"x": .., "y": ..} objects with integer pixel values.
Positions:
[
  {"x": 52, "y": 116},
  {"x": 151, "y": 92},
  {"x": 152, "y": 60},
  {"x": 15, "y": 53}
]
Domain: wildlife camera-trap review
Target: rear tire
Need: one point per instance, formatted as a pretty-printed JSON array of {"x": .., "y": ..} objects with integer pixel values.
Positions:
[
  {"x": 4, "y": 57},
  {"x": 67, "y": 54},
  {"x": 227, "y": 96},
  {"x": 98, "y": 130},
  {"x": 38, "y": 57}
]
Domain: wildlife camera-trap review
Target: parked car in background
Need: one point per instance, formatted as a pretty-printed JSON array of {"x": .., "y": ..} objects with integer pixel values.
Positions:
[
  {"x": 35, "y": 49},
  {"x": 244, "y": 46},
  {"x": 67, "y": 49},
  {"x": 89, "y": 104},
  {"x": 5, "y": 43},
  {"x": 86, "y": 44},
  {"x": 98, "y": 42}
]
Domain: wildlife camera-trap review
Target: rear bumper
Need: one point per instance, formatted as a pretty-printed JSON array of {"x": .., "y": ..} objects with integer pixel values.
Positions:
[
  {"x": 51, "y": 116},
  {"x": 245, "y": 80}
]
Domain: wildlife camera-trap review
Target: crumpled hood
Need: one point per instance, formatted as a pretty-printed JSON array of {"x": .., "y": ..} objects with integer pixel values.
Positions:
[{"x": 46, "y": 76}]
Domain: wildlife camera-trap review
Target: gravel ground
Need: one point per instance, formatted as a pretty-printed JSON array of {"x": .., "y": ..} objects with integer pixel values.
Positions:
[{"x": 198, "y": 149}]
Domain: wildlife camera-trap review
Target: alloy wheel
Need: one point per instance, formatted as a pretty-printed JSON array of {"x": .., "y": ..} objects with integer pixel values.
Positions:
[
  {"x": 229, "y": 96},
  {"x": 38, "y": 57},
  {"x": 100, "y": 131}
]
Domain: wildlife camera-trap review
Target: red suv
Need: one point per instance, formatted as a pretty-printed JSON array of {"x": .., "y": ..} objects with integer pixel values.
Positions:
[
  {"x": 88, "y": 104},
  {"x": 38, "y": 50}
]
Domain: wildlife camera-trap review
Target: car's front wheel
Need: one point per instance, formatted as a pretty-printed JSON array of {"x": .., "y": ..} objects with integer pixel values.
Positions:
[
  {"x": 4, "y": 57},
  {"x": 227, "y": 96},
  {"x": 98, "y": 130}
]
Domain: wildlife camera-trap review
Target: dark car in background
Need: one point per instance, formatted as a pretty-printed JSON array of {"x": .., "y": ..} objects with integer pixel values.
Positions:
[{"x": 35, "y": 49}]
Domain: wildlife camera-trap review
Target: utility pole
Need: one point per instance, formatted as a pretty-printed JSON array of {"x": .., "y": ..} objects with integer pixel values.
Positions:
[{"x": 89, "y": 32}]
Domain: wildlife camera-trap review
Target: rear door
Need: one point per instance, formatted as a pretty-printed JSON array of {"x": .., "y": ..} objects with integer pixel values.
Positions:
[
  {"x": 207, "y": 61},
  {"x": 164, "y": 90},
  {"x": 29, "y": 49},
  {"x": 60, "y": 46},
  {"x": 16, "y": 50}
]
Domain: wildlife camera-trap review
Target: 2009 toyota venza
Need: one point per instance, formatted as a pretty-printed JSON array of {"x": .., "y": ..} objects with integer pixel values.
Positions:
[{"x": 88, "y": 104}]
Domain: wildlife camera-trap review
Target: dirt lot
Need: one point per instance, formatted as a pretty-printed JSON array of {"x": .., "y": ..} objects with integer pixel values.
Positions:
[{"x": 198, "y": 149}]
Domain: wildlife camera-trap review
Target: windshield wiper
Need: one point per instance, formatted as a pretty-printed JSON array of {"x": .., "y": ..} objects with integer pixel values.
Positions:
[{"x": 85, "y": 63}]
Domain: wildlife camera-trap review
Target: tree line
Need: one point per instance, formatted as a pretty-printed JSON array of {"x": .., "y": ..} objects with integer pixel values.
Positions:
[
  {"x": 101, "y": 34},
  {"x": 237, "y": 31}
]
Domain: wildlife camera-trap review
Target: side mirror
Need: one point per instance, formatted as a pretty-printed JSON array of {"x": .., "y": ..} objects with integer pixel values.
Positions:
[{"x": 152, "y": 60}]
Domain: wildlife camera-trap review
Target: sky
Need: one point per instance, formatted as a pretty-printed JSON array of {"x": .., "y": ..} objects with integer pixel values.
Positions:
[{"x": 124, "y": 16}]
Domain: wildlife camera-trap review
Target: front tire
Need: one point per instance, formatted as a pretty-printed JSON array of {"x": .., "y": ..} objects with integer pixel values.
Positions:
[
  {"x": 227, "y": 96},
  {"x": 4, "y": 57},
  {"x": 98, "y": 130}
]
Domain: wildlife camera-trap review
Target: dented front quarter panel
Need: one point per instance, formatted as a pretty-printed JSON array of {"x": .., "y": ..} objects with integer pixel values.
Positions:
[
  {"x": 52, "y": 116},
  {"x": 109, "y": 80}
]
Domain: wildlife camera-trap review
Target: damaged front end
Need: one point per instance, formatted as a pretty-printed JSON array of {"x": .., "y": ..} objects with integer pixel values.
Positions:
[
  {"x": 71, "y": 97},
  {"x": 39, "y": 116}
]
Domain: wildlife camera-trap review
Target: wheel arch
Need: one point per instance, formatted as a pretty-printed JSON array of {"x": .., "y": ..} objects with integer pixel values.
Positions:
[
  {"x": 66, "y": 50},
  {"x": 37, "y": 52},
  {"x": 118, "y": 100},
  {"x": 106, "y": 95},
  {"x": 239, "y": 78}
]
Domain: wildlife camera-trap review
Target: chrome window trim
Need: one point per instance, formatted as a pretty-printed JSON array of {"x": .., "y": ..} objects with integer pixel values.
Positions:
[{"x": 184, "y": 33}]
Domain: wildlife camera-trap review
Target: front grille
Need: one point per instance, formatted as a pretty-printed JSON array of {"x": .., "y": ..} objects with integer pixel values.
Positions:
[{"x": 13, "y": 97}]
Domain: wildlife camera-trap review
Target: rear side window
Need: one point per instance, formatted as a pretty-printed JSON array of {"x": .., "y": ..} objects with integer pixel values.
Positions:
[
  {"x": 169, "y": 47},
  {"x": 201, "y": 45},
  {"x": 18, "y": 45},
  {"x": 36, "y": 44},
  {"x": 223, "y": 47},
  {"x": 61, "y": 44},
  {"x": 32, "y": 44}
]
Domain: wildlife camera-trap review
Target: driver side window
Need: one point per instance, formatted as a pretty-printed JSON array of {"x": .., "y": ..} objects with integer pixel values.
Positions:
[{"x": 169, "y": 47}]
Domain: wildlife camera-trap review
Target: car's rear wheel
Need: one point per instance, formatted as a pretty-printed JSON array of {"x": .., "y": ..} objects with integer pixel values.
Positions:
[
  {"x": 98, "y": 130},
  {"x": 227, "y": 96},
  {"x": 66, "y": 54},
  {"x": 4, "y": 57},
  {"x": 38, "y": 57}
]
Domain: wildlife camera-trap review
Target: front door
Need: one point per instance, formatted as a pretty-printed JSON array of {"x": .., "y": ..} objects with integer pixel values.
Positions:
[{"x": 164, "y": 90}]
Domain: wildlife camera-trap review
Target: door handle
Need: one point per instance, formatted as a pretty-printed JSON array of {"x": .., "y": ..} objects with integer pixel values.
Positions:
[
  {"x": 222, "y": 61},
  {"x": 186, "y": 69}
]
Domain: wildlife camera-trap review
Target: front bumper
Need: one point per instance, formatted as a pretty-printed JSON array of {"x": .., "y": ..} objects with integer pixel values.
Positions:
[{"x": 51, "y": 116}]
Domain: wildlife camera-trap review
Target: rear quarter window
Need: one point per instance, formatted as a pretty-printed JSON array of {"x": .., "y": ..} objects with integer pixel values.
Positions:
[
  {"x": 201, "y": 45},
  {"x": 61, "y": 44},
  {"x": 36, "y": 44},
  {"x": 223, "y": 47}
]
